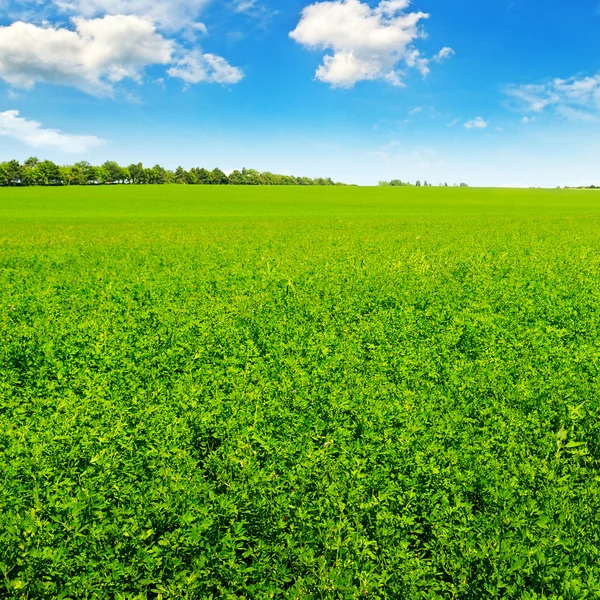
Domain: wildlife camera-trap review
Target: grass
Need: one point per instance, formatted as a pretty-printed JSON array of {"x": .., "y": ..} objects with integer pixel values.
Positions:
[{"x": 299, "y": 393}]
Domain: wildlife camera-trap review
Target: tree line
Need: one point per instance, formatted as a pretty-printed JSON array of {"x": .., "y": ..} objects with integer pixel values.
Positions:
[
  {"x": 46, "y": 173},
  {"x": 398, "y": 183}
]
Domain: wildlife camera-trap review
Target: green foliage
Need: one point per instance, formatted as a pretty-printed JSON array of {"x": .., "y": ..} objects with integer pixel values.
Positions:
[
  {"x": 234, "y": 392},
  {"x": 46, "y": 173}
]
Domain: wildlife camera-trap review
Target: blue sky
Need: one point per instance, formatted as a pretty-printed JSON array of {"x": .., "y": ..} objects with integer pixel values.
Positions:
[{"x": 491, "y": 92}]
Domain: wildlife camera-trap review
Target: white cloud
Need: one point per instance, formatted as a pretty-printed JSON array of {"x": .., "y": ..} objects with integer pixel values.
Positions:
[
  {"x": 574, "y": 114},
  {"x": 453, "y": 122},
  {"x": 527, "y": 120},
  {"x": 416, "y": 110},
  {"x": 244, "y": 5},
  {"x": 477, "y": 123},
  {"x": 170, "y": 15},
  {"x": 574, "y": 98},
  {"x": 100, "y": 53},
  {"x": 416, "y": 61},
  {"x": 365, "y": 43},
  {"x": 33, "y": 134},
  {"x": 444, "y": 54},
  {"x": 196, "y": 67}
]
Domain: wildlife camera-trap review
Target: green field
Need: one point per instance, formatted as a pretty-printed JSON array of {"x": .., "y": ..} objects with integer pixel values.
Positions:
[{"x": 219, "y": 392}]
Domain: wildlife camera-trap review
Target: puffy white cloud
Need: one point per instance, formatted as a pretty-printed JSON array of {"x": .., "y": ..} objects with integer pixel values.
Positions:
[
  {"x": 477, "y": 123},
  {"x": 574, "y": 98},
  {"x": 33, "y": 134},
  {"x": 99, "y": 53},
  {"x": 195, "y": 67},
  {"x": 365, "y": 43},
  {"x": 444, "y": 54},
  {"x": 171, "y": 15}
]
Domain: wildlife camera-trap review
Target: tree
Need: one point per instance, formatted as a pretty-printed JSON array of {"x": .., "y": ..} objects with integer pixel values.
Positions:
[
  {"x": 252, "y": 177},
  {"x": 86, "y": 173},
  {"x": 14, "y": 172},
  {"x": 180, "y": 175},
  {"x": 67, "y": 175},
  {"x": 219, "y": 178},
  {"x": 136, "y": 173},
  {"x": 104, "y": 175},
  {"x": 113, "y": 172},
  {"x": 157, "y": 175},
  {"x": 49, "y": 173},
  {"x": 236, "y": 178},
  {"x": 190, "y": 177},
  {"x": 31, "y": 162},
  {"x": 31, "y": 174},
  {"x": 204, "y": 177}
]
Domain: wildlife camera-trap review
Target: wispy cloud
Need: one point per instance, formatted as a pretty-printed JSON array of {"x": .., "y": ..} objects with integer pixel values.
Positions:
[
  {"x": 576, "y": 98},
  {"x": 33, "y": 134}
]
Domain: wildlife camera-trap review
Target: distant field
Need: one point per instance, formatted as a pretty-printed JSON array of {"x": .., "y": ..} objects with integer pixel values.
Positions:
[
  {"x": 212, "y": 392},
  {"x": 175, "y": 202}
]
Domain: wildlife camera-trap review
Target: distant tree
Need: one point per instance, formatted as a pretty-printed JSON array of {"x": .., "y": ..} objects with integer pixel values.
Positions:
[
  {"x": 49, "y": 173},
  {"x": 269, "y": 178},
  {"x": 14, "y": 172},
  {"x": 418, "y": 184},
  {"x": 236, "y": 178},
  {"x": 30, "y": 174},
  {"x": 31, "y": 162},
  {"x": 113, "y": 172},
  {"x": 190, "y": 177},
  {"x": 104, "y": 175},
  {"x": 204, "y": 176},
  {"x": 157, "y": 175},
  {"x": 252, "y": 177},
  {"x": 85, "y": 174},
  {"x": 180, "y": 175},
  {"x": 219, "y": 178},
  {"x": 3, "y": 176},
  {"x": 136, "y": 173},
  {"x": 67, "y": 175}
]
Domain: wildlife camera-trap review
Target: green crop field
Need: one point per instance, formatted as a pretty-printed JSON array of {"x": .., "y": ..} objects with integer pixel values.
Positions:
[{"x": 233, "y": 392}]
